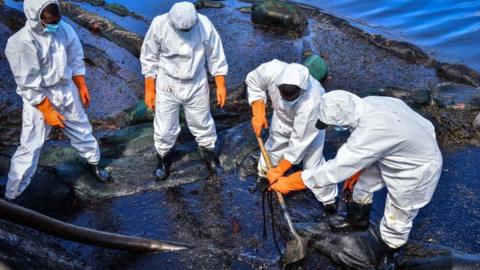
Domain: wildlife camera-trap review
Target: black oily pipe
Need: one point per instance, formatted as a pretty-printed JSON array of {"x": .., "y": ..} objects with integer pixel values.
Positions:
[
  {"x": 452, "y": 261},
  {"x": 54, "y": 227}
]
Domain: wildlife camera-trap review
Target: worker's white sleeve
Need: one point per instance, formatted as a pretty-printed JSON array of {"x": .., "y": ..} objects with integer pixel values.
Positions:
[
  {"x": 25, "y": 66},
  {"x": 75, "y": 54},
  {"x": 217, "y": 62},
  {"x": 364, "y": 146},
  {"x": 149, "y": 55},
  {"x": 257, "y": 83},
  {"x": 303, "y": 134}
]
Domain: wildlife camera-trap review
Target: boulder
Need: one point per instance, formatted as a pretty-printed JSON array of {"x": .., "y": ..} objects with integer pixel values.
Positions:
[
  {"x": 245, "y": 9},
  {"x": 279, "y": 14},
  {"x": 96, "y": 2},
  {"x": 117, "y": 9},
  {"x": 456, "y": 96},
  {"x": 208, "y": 4},
  {"x": 133, "y": 174},
  {"x": 414, "y": 98}
]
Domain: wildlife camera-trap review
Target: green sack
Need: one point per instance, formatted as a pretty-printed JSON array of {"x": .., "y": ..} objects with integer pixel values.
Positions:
[{"x": 317, "y": 67}]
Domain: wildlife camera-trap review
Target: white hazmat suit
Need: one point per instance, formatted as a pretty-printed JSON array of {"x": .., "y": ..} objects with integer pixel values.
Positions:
[
  {"x": 43, "y": 65},
  {"x": 393, "y": 145},
  {"x": 177, "y": 59},
  {"x": 293, "y": 135}
]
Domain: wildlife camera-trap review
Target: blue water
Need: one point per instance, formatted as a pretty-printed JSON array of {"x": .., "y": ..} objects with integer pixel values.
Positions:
[{"x": 447, "y": 29}]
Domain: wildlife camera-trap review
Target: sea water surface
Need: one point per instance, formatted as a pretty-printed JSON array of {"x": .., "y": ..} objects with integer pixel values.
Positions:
[{"x": 448, "y": 29}]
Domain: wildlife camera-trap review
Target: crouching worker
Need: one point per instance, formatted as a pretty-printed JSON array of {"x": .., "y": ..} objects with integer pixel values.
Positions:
[
  {"x": 46, "y": 59},
  {"x": 296, "y": 98},
  {"x": 173, "y": 57},
  {"x": 394, "y": 147}
]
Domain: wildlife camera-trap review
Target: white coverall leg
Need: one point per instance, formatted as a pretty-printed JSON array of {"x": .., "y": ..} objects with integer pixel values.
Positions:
[
  {"x": 397, "y": 222},
  {"x": 197, "y": 114},
  {"x": 34, "y": 133},
  {"x": 199, "y": 120},
  {"x": 276, "y": 146},
  {"x": 166, "y": 123}
]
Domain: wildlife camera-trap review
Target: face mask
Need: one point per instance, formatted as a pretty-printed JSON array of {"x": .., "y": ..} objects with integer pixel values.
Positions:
[
  {"x": 184, "y": 34},
  {"x": 290, "y": 103},
  {"x": 340, "y": 128},
  {"x": 51, "y": 28}
]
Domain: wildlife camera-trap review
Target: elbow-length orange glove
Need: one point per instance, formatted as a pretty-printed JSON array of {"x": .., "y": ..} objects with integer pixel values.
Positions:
[
  {"x": 292, "y": 182},
  {"x": 150, "y": 93},
  {"x": 52, "y": 117},
  {"x": 259, "y": 119},
  {"x": 276, "y": 172},
  {"x": 221, "y": 90}
]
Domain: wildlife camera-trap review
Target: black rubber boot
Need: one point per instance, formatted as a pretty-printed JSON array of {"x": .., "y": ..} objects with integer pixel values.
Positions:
[
  {"x": 390, "y": 260},
  {"x": 357, "y": 219},
  {"x": 330, "y": 209},
  {"x": 100, "y": 174},
  {"x": 210, "y": 160},
  {"x": 163, "y": 165}
]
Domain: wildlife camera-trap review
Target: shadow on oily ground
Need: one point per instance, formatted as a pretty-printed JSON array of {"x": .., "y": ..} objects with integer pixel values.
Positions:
[{"x": 226, "y": 217}]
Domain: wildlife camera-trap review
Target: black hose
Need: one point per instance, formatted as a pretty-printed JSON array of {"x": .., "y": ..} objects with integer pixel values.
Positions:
[
  {"x": 54, "y": 227},
  {"x": 266, "y": 193}
]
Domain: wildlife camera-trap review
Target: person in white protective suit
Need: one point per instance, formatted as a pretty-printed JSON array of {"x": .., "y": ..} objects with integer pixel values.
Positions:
[
  {"x": 393, "y": 146},
  {"x": 293, "y": 138},
  {"x": 46, "y": 59},
  {"x": 173, "y": 57}
]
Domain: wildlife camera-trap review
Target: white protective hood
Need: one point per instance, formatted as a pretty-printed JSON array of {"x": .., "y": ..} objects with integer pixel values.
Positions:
[
  {"x": 341, "y": 108},
  {"x": 33, "y": 9},
  {"x": 183, "y": 16},
  {"x": 294, "y": 74}
]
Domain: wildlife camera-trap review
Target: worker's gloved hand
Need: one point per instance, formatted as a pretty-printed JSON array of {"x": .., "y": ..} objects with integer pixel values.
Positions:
[
  {"x": 259, "y": 120},
  {"x": 292, "y": 182},
  {"x": 52, "y": 117},
  {"x": 276, "y": 172},
  {"x": 79, "y": 81},
  {"x": 150, "y": 93},
  {"x": 348, "y": 186},
  {"x": 221, "y": 90}
]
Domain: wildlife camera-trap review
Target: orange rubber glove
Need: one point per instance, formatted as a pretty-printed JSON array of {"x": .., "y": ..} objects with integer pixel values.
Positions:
[
  {"x": 276, "y": 172},
  {"x": 259, "y": 120},
  {"x": 150, "y": 93},
  {"x": 221, "y": 90},
  {"x": 52, "y": 117},
  {"x": 348, "y": 186},
  {"x": 79, "y": 81},
  {"x": 292, "y": 182},
  {"x": 350, "y": 182}
]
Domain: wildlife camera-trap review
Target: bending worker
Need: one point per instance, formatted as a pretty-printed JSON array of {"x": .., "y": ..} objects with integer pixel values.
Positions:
[
  {"x": 293, "y": 137},
  {"x": 46, "y": 59},
  {"x": 394, "y": 146},
  {"x": 173, "y": 57}
]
